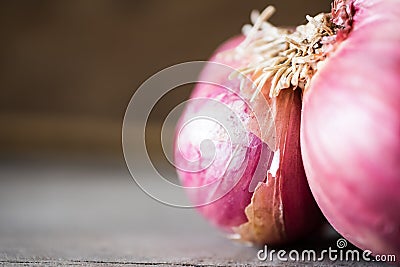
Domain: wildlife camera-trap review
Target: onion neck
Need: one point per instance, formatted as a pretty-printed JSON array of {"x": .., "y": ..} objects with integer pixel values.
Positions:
[{"x": 287, "y": 58}]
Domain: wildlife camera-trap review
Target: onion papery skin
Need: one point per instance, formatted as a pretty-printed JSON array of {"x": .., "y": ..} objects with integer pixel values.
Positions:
[
  {"x": 280, "y": 208},
  {"x": 350, "y": 130},
  {"x": 227, "y": 211}
]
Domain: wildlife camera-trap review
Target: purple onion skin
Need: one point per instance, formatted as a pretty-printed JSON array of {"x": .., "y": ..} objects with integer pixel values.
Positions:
[
  {"x": 350, "y": 134},
  {"x": 301, "y": 214},
  {"x": 286, "y": 202},
  {"x": 227, "y": 211}
]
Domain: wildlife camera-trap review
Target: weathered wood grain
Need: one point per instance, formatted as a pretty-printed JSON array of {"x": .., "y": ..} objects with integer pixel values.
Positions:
[{"x": 57, "y": 214}]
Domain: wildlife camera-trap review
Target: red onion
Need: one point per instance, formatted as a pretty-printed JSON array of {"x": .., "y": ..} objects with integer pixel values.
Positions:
[
  {"x": 351, "y": 128},
  {"x": 257, "y": 191},
  {"x": 346, "y": 66}
]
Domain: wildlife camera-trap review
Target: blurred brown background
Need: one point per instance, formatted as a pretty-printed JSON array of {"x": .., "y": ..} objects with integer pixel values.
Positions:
[{"x": 69, "y": 68}]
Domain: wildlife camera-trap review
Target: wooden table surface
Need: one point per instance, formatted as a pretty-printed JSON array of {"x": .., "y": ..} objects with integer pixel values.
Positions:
[{"x": 79, "y": 213}]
